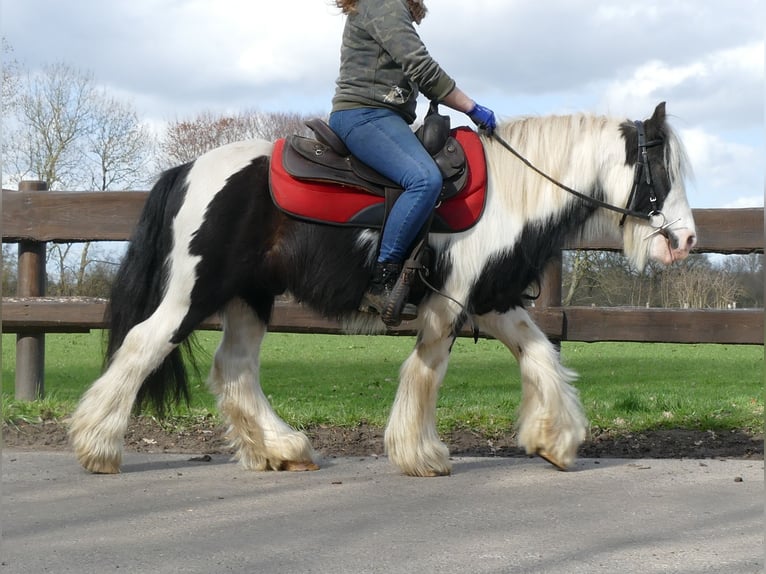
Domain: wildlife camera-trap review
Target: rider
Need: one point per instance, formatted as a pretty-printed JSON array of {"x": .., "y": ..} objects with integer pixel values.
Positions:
[{"x": 383, "y": 66}]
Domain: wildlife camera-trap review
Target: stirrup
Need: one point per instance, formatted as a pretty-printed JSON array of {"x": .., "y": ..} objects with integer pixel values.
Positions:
[
  {"x": 395, "y": 309},
  {"x": 408, "y": 313}
]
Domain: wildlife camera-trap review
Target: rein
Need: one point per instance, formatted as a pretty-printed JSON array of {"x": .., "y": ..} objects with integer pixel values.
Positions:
[{"x": 641, "y": 166}]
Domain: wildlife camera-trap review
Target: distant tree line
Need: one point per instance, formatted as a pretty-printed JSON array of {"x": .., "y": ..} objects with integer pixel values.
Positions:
[
  {"x": 60, "y": 127},
  {"x": 606, "y": 279}
]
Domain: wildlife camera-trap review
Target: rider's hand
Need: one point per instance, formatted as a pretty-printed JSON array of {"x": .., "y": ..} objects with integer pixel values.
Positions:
[{"x": 483, "y": 117}]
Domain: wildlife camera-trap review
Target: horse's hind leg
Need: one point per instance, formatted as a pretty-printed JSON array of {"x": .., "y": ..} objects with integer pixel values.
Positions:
[
  {"x": 551, "y": 420},
  {"x": 412, "y": 442},
  {"x": 262, "y": 441},
  {"x": 99, "y": 423}
]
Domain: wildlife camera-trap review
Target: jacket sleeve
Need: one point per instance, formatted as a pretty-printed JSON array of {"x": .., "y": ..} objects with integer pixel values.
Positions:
[{"x": 389, "y": 22}]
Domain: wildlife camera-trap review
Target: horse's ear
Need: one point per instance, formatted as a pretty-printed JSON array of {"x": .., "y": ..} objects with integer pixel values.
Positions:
[{"x": 659, "y": 114}]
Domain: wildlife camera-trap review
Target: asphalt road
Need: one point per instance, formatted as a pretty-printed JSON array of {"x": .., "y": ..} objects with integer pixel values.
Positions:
[{"x": 168, "y": 514}]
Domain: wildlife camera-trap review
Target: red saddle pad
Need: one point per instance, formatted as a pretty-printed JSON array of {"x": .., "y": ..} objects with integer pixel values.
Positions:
[{"x": 335, "y": 204}]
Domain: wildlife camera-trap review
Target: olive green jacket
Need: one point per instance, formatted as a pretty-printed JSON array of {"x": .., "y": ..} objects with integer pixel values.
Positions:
[{"x": 383, "y": 62}]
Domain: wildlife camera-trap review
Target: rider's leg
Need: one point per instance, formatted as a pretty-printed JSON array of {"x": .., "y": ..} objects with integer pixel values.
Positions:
[{"x": 382, "y": 139}]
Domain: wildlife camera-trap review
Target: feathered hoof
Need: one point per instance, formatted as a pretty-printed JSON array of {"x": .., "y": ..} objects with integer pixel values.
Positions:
[
  {"x": 425, "y": 468},
  {"x": 543, "y": 454},
  {"x": 99, "y": 465},
  {"x": 95, "y": 454},
  {"x": 298, "y": 465},
  {"x": 431, "y": 473},
  {"x": 426, "y": 459}
]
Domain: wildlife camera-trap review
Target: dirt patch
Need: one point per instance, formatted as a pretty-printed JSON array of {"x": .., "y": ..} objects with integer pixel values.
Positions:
[{"x": 205, "y": 436}]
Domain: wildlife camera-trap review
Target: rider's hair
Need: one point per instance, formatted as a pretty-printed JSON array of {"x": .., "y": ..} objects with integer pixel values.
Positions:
[
  {"x": 346, "y": 6},
  {"x": 417, "y": 8}
]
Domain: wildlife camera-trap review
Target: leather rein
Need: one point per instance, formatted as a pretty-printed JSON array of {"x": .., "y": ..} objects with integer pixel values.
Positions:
[{"x": 642, "y": 168}]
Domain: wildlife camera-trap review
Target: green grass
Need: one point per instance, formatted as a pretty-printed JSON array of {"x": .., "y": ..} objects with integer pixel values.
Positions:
[
  {"x": 643, "y": 386},
  {"x": 344, "y": 380}
]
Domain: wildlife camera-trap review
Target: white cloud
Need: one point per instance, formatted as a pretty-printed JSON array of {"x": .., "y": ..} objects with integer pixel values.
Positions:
[
  {"x": 725, "y": 87},
  {"x": 716, "y": 100},
  {"x": 726, "y": 173},
  {"x": 740, "y": 202}
]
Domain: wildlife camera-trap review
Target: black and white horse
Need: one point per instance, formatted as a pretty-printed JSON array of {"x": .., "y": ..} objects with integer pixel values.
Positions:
[{"x": 211, "y": 240}]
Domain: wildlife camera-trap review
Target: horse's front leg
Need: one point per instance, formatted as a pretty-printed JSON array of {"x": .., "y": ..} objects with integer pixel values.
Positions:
[
  {"x": 411, "y": 440},
  {"x": 551, "y": 420},
  {"x": 261, "y": 440}
]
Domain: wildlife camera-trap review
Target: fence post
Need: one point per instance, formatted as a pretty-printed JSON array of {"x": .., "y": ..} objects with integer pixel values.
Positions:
[
  {"x": 30, "y": 345},
  {"x": 550, "y": 287}
]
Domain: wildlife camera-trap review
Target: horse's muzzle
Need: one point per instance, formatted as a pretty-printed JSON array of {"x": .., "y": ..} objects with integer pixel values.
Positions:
[{"x": 678, "y": 245}]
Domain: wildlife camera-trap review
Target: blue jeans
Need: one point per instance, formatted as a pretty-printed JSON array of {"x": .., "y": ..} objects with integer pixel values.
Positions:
[{"x": 383, "y": 140}]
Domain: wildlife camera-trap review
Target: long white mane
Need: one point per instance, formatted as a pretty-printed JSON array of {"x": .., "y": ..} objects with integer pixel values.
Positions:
[{"x": 582, "y": 151}]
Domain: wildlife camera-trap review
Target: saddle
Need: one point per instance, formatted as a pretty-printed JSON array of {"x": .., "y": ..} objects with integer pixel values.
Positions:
[
  {"x": 317, "y": 179},
  {"x": 326, "y": 158}
]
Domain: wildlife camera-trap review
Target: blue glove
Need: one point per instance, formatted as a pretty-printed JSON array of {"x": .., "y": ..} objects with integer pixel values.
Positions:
[{"x": 483, "y": 117}]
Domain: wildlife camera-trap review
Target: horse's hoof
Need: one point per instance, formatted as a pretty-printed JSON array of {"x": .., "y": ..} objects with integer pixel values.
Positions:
[
  {"x": 100, "y": 465},
  {"x": 435, "y": 473},
  {"x": 428, "y": 472},
  {"x": 298, "y": 465},
  {"x": 548, "y": 458},
  {"x": 98, "y": 460}
]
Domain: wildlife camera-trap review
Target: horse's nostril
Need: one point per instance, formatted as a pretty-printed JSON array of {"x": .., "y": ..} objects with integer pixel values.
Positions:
[{"x": 691, "y": 241}]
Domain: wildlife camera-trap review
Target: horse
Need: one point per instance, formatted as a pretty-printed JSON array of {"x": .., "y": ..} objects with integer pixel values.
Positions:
[{"x": 211, "y": 240}]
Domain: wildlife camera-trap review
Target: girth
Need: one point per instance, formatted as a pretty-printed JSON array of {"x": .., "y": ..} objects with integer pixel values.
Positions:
[{"x": 327, "y": 159}]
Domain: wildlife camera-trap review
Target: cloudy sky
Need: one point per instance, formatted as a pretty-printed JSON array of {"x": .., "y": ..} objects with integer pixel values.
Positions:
[{"x": 175, "y": 58}]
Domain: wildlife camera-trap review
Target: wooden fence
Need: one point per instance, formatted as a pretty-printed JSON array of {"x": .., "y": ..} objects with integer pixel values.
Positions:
[{"x": 32, "y": 216}]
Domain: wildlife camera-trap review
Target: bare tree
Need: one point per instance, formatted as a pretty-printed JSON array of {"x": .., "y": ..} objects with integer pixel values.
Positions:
[
  {"x": 10, "y": 269},
  {"x": 118, "y": 146},
  {"x": 53, "y": 117},
  {"x": 752, "y": 278},
  {"x": 186, "y": 140},
  {"x": 10, "y": 90},
  {"x": 274, "y": 125},
  {"x": 72, "y": 135},
  {"x": 607, "y": 279},
  {"x": 746, "y": 271},
  {"x": 697, "y": 283},
  {"x": 603, "y": 278},
  {"x": 686, "y": 284},
  {"x": 10, "y": 79},
  {"x": 580, "y": 265}
]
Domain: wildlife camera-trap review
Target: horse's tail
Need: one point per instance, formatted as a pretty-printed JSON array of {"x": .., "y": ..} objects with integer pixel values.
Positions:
[{"x": 139, "y": 286}]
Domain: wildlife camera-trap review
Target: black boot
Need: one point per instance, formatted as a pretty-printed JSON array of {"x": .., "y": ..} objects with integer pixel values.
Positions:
[{"x": 378, "y": 300}]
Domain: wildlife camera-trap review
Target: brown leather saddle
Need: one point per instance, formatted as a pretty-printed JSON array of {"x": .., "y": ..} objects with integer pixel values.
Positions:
[{"x": 326, "y": 158}]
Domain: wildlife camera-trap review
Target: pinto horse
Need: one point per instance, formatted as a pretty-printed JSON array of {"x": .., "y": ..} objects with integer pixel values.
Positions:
[{"x": 211, "y": 240}]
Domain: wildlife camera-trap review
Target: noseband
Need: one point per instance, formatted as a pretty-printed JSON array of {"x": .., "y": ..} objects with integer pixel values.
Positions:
[{"x": 642, "y": 169}]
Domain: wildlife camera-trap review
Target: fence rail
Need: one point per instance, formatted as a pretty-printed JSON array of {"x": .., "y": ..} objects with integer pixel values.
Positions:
[{"x": 33, "y": 216}]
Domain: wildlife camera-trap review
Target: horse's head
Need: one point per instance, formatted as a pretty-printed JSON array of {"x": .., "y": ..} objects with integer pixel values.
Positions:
[{"x": 662, "y": 227}]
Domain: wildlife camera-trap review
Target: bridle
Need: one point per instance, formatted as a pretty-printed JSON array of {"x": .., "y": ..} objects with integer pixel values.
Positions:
[
  {"x": 642, "y": 168},
  {"x": 642, "y": 172}
]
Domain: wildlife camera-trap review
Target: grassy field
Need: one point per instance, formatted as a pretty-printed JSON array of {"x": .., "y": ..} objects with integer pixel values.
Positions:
[{"x": 344, "y": 380}]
